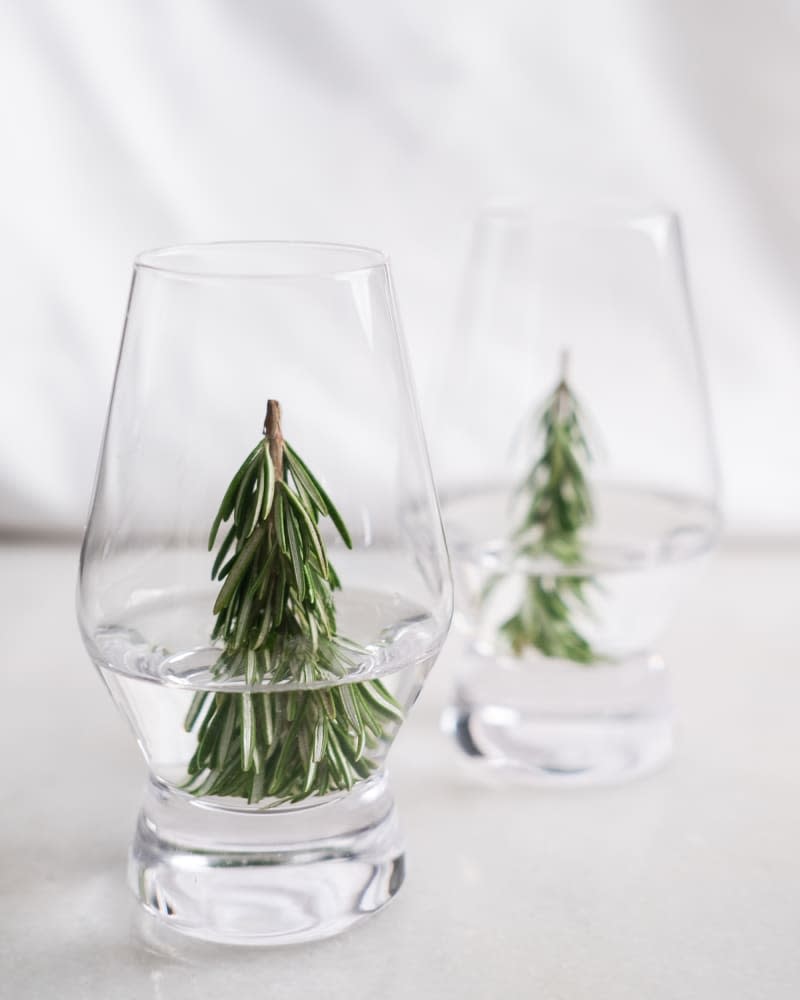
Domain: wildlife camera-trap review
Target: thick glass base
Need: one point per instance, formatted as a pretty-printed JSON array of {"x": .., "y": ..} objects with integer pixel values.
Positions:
[
  {"x": 561, "y": 724},
  {"x": 284, "y": 875}
]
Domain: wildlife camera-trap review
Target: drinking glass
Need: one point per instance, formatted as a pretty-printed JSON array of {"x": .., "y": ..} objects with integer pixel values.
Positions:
[
  {"x": 586, "y": 314},
  {"x": 267, "y": 816}
]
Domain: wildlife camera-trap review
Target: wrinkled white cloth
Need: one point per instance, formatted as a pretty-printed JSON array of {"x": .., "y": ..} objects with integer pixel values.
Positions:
[{"x": 142, "y": 123}]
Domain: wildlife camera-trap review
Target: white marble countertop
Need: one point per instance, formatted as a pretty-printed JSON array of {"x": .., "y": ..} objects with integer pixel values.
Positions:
[{"x": 685, "y": 884}]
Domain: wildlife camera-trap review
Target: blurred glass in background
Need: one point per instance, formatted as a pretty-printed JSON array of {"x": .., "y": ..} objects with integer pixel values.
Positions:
[{"x": 577, "y": 474}]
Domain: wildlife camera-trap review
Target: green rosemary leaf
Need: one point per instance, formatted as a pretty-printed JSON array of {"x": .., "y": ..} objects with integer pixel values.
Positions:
[
  {"x": 306, "y": 482},
  {"x": 280, "y": 522},
  {"x": 348, "y": 704},
  {"x": 310, "y": 531},
  {"x": 244, "y": 498},
  {"x": 326, "y": 618},
  {"x": 269, "y": 725},
  {"x": 256, "y": 787},
  {"x": 330, "y": 510},
  {"x": 223, "y": 572},
  {"x": 333, "y": 578},
  {"x": 195, "y": 709},
  {"x": 328, "y": 704},
  {"x": 226, "y": 507},
  {"x": 312, "y": 588},
  {"x": 207, "y": 719},
  {"x": 338, "y": 758},
  {"x": 285, "y": 757},
  {"x": 229, "y": 615},
  {"x": 205, "y": 786},
  {"x": 269, "y": 478},
  {"x": 260, "y": 579},
  {"x": 264, "y": 630},
  {"x": 376, "y": 693},
  {"x": 361, "y": 739},
  {"x": 295, "y": 551},
  {"x": 228, "y": 715},
  {"x": 371, "y": 724},
  {"x": 243, "y": 619},
  {"x": 256, "y": 511},
  {"x": 248, "y": 732},
  {"x": 251, "y": 667},
  {"x": 310, "y": 774},
  {"x": 320, "y": 740},
  {"x": 303, "y": 742},
  {"x": 210, "y": 737},
  {"x": 238, "y": 569},
  {"x": 223, "y": 551},
  {"x": 315, "y": 640}
]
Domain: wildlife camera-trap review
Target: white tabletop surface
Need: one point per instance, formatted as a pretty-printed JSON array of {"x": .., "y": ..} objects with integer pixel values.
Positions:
[{"x": 685, "y": 884}]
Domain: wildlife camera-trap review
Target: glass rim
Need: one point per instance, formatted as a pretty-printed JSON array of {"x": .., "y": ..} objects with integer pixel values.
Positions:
[{"x": 181, "y": 260}]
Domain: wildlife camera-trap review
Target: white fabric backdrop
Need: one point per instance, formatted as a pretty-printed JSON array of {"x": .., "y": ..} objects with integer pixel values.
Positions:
[{"x": 138, "y": 123}]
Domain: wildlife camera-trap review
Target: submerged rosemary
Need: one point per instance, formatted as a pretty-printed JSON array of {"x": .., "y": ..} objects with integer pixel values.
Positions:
[
  {"x": 277, "y": 619},
  {"x": 558, "y": 506}
]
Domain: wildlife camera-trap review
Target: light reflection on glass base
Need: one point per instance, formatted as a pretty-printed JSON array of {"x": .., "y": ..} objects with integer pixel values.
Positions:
[{"x": 266, "y": 878}]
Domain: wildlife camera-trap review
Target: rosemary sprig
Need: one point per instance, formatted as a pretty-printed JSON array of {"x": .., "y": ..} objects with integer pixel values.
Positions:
[
  {"x": 558, "y": 506},
  {"x": 277, "y": 619}
]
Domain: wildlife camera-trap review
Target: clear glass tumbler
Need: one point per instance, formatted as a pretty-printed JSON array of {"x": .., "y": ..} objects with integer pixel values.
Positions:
[
  {"x": 264, "y": 582},
  {"x": 574, "y": 458}
]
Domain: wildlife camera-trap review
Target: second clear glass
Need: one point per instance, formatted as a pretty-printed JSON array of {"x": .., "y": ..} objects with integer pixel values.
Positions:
[{"x": 574, "y": 395}]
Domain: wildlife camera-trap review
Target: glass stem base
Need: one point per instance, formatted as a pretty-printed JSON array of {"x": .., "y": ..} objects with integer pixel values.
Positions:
[
  {"x": 559, "y": 724},
  {"x": 278, "y": 876}
]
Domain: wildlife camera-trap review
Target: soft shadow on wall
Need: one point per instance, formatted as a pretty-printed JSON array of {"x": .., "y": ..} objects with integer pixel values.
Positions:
[{"x": 139, "y": 125}]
